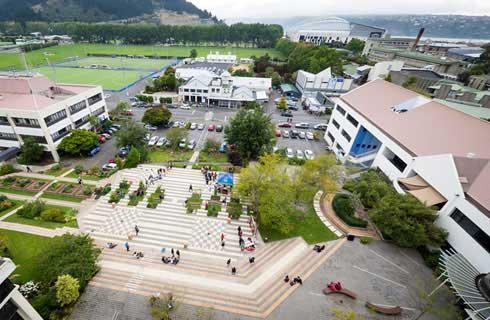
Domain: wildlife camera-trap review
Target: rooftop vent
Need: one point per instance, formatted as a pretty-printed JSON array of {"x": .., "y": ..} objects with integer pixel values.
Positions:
[
  {"x": 410, "y": 104},
  {"x": 470, "y": 155},
  {"x": 463, "y": 180}
]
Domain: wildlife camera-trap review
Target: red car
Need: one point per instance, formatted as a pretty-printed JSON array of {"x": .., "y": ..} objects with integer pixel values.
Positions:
[
  {"x": 211, "y": 127},
  {"x": 101, "y": 139},
  {"x": 284, "y": 125},
  {"x": 278, "y": 133}
]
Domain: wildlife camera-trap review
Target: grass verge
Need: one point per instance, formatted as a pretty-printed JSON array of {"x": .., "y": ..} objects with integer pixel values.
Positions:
[
  {"x": 158, "y": 156},
  {"x": 62, "y": 197},
  {"x": 17, "y": 191},
  {"x": 15, "y": 218}
]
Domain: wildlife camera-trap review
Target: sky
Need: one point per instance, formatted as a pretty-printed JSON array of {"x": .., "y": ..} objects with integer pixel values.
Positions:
[{"x": 229, "y": 9}]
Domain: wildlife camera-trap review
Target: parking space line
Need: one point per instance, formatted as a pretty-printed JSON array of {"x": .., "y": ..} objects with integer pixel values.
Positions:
[
  {"x": 392, "y": 263},
  {"x": 390, "y": 306},
  {"x": 378, "y": 276},
  {"x": 409, "y": 258}
]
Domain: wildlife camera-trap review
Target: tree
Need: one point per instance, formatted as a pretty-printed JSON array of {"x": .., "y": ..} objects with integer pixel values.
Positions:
[
  {"x": 30, "y": 151},
  {"x": 4, "y": 243},
  {"x": 79, "y": 142},
  {"x": 131, "y": 134},
  {"x": 285, "y": 46},
  {"x": 175, "y": 135},
  {"x": 410, "y": 82},
  {"x": 251, "y": 131},
  {"x": 163, "y": 308},
  {"x": 355, "y": 45},
  {"x": 211, "y": 145},
  {"x": 157, "y": 116},
  {"x": 94, "y": 122},
  {"x": 133, "y": 158},
  {"x": 252, "y": 105},
  {"x": 193, "y": 53},
  {"x": 282, "y": 104},
  {"x": 119, "y": 110},
  {"x": 67, "y": 289}
]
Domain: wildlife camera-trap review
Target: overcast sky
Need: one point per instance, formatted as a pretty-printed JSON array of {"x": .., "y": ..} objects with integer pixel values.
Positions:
[{"x": 285, "y": 8}]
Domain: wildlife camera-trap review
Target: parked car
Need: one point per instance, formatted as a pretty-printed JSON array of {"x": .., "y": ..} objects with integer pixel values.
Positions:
[
  {"x": 302, "y": 125},
  {"x": 109, "y": 166},
  {"x": 106, "y": 136},
  {"x": 175, "y": 124},
  {"x": 293, "y": 107},
  {"x": 294, "y": 134},
  {"x": 289, "y": 153},
  {"x": 147, "y": 137},
  {"x": 172, "y": 106},
  {"x": 200, "y": 126},
  {"x": 284, "y": 125},
  {"x": 309, "y": 154},
  {"x": 92, "y": 152},
  {"x": 290, "y": 102},
  {"x": 150, "y": 127},
  {"x": 320, "y": 126},
  {"x": 310, "y": 136},
  {"x": 193, "y": 126},
  {"x": 300, "y": 154},
  {"x": 285, "y": 134},
  {"x": 185, "y": 107},
  {"x": 122, "y": 152},
  {"x": 302, "y": 135},
  {"x": 183, "y": 143},
  {"x": 211, "y": 127},
  {"x": 223, "y": 147},
  {"x": 101, "y": 139},
  {"x": 161, "y": 142},
  {"x": 292, "y": 98},
  {"x": 286, "y": 113},
  {"x": 191, "y": 145},
  {"x": 117, "y": 126},
  {"x": 133, "y": 99},
  {"x": 219, "y": 128},
  {"x": 153, "y": 141},
  {"x": 278, "y": 133}
]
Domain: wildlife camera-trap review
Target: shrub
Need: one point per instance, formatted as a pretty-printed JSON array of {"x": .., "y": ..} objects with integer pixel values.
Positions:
[
  {"x": 23, "y": 182},
  {"x": 8, "y": 181},
  {"x": 56, "y": 167},
  {"x": 296, "y": 161},
  {"x": 53, "y": 214},
  {"x": 54, "y": 186},
  {"x": 114, "y": 197},
  {"x": 6, "y": 168},
  {"x": 5, "y": 204},
  {"x": 3, "y": 197},
  {"x": 343, "y": 207},
  {"x": 79, "y": 169},
  {"x": 32, "y": 209},
  {"x": 68, "y": 188},
  {"x": 124, "y": 185},
  {"x": 213, "y": 209},
  {"x": 366, "y": 240},
  {"x": 87, "y": 190},
  {"x": 94, "y": 171}
]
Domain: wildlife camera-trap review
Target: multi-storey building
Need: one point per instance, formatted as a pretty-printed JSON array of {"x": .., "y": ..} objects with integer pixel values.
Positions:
[
  {"x": 323, "y": 81},
  {"x": 13, "y": 306},
  {"x": 387, "y": 42},
  {"x": 437, "y": 154},
  {"x": 34, "y": 106}
]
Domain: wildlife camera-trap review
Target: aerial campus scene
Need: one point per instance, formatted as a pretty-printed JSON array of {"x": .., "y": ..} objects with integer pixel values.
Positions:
[{"x": 199, "y": 159}]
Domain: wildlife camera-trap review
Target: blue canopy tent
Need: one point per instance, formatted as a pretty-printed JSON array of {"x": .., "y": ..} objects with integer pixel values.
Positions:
[{"x": 225, "y": 179}]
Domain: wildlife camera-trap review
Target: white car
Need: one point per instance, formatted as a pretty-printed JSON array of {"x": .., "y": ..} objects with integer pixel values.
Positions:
[
  {"x": 200, "y": 126},
  {"x": 285, "y": 134},
  {"x": 109, "y": 166},
  {"x": 161, "y": 142},
  {"x": 183, "y": 143},
  {"x": 300, "y": 154},
  {"x": 106, "y": 135},
  {"x": 309, "y": 136},
  {"x": 191, "y": 145},
  {"x": 193, "y": 126},
  {"x": 153, "y": 140},
  {"x": 302, "y": 135},
  {"x": 150, "y": 127},
  {"x": 309, "y": 155},
  {"x": 185, "y": 107},
  {"x": 147, "y": 137},
  {"x": 289, "y": 153}
]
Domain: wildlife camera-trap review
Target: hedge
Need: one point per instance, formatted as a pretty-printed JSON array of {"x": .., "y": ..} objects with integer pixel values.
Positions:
[{"x": 343, "y": 207}]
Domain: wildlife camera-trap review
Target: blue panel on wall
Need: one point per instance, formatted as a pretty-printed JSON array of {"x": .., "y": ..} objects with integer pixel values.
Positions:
[{"x": 364, "y": 143}]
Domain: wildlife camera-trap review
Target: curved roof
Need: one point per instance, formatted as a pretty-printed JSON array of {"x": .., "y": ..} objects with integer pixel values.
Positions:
[{"x": 328, "y": 23}]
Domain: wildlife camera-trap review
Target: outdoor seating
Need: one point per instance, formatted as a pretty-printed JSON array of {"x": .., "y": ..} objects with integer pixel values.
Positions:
[
  {"x": 343, "y": 291},
  {"x": 384, "y": 310}
]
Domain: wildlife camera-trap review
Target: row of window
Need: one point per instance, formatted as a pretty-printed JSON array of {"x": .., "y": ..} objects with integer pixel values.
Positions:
[
  {"x": 61, "y": 133},
  {"x": 94, "y": 99},
  {"x": 4, "y": 121},
  {"x": 77, "y": 107},
  {"x": 8, "y": 136},
  {"x": 472, "y": 229},
  {"x": 345, "y": 135},
  {"x": 101, "y": 110},
  {"x": 196, "y": 90},
  {"x": 55, "y": 117},
  {"x": 80, "y": 122},
  {"x": 25, "y": 122}
]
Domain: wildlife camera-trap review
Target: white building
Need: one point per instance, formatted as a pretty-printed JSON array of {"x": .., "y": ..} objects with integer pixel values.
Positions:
[
  {"x": 382, "y": 69},
  {"x": 438, "y": 154},
  {"x": 323, "y": 81},
  {"x": 216, "y": 57},
  {"x": 225, "y": 90},
  {"x": 12, "y": 304},
  {"x": 34, "y": 106}
]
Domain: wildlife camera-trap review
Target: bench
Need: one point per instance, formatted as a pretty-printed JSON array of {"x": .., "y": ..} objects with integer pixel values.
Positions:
[
  {"x": 384, "y": 310},
  {"x": 343, "y": 291}
]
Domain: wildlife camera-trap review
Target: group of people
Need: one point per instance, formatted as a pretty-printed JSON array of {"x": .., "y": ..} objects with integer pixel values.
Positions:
[
  {"x": 318, "y": 248},
  {"x": 249, "y": 245},
  {"x": 292, "y": 282},
  {"x": 208, "y": 174},
  {"x": 335, "y": 286},
  {"x": 138, "y": 254},
  {"x": 174, "y": 259}
]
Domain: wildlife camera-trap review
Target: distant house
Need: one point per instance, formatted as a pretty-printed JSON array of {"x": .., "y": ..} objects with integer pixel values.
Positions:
[
  {"x": 383, "y": 68},
  {"x": 324, "y": 81},
  {"x": 424, "y": 78},
  {"x": 216, "y": 57},
  {"x": 457, "y": 92}
]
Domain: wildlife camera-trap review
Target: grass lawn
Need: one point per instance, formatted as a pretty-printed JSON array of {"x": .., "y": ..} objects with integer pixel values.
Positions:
[
  {"x": 213, "y": 157},
  {"x": 114, "y": 63},
  {"x": 23, "y": 247},
  {"x": 158, "y": 156},
  {"x": 16, "y": 204},
  {"x": 58, "y": 172},
  {"x": 16, "y": 191},
  {"x": 74, "y": 175},
  {"x": 46, "y": 224},
  {"x": 63, "y": 197}
]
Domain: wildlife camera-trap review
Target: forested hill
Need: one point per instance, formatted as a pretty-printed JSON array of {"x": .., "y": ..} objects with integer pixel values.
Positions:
[{"x": 91, "y": 10}]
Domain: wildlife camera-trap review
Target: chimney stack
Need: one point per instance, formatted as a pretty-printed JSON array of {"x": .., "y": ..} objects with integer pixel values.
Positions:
[{"x": 421, "y": 32}]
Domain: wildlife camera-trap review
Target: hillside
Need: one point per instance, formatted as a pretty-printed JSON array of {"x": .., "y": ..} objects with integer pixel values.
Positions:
[{"x": 92, "y": 10}]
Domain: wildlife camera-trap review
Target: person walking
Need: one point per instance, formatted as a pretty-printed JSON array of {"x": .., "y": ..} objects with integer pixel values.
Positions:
[
  {"x": 228, "y": 262},
  {"x": 126, "y": 245},
  {"x": 251, "y": 260},
  {"x": 28, "y": 169},
  {"x": 239, "y": 230},
  {"x": 136, "y": 229},
  {"x": 190, "y": 188},
  {"x": 222, "y": 237},
  {"x": 233, "y": 271},
  {"x": 178, "y": 253},
  {"x": 172, "y": 252},
  {"x": 79, "y": 180},
  {"x": 222, "y": 244}
]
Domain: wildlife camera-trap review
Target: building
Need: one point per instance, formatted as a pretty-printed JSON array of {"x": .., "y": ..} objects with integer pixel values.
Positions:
[
  {"x": 388, "y": 43},
  {"x": 289, "y": 90},
  {"x": 437, "y": 154},
  {"x": 307, "y": 82},
  {"x": 457, "y": 92},
  {"x": 34, "y": 106},
  {"x": 423, "y": 78},
  {"x": 382, "y": 69},
  {"x": 13, "y": 306},
  {"x": 470, "y": 54},
  {"x": 60, "y": 39},
  {"x": 332, "y": 29},
  {"x": 225, "y": 90},
  {"x": 216, "y": 57},
  {"x": 438, "y": 48},
  {"x": 447, "y": 67},
  {"x": 481, "y": 82},
  {"x": 357, "y": 73},
  {"x": 468, "y": 108}
]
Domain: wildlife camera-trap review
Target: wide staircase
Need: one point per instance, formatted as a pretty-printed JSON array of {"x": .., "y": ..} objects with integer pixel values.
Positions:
[{"x": 201, "y": 277}]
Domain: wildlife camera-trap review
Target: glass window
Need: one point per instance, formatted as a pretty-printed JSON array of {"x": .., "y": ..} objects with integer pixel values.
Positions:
[
  {"x": 101, "y": 110},
  {"x": 4, "y": 121},
  {"x": 7, "y": 136},
  {"x": 336, "y": 124},
  {"x": 340, "y": 109},
  {"x": 24, "y": 122},
  {"x": 472, "y": 229},
  {"x": 352, "y": 120},
  {"x": 77, "y": 107},
  {"x": 94, "y": 99},
  {"x": 346, "y": 135},
  {"x": 331, "y": 137},
  {"x": 55, "y": 117}
]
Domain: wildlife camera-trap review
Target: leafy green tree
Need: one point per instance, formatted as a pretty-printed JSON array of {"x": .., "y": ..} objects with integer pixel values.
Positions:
[
  {"x": 4, "y": 243},
  {"x": 131, "y": 134},
  {"x": 314, "y": 59},
  {"x": 355, "y": 45},
  {"x": 79, "y": 142},
  {"x": 175, "y": 135},
  {"x": 30, "y": 152},
  {"x": 158, "y": 116},
  {"x": 251, "y": 131},
  {"x": 119, "y": 110},
  {"x": 282, "y": 104},
  {"x": 133, "y": 158},
  {"x": 242, "y": 73},
  {"x": 94, "y": 122},
  {"x": 67, "y": 289},
  {"x": 251, "y": 105},
  {"x": 285, "y": 46},
  {"x": 193, "y": 53}
]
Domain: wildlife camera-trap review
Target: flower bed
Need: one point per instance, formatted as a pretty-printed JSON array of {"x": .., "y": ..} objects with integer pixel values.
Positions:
[
  {"x": 68, "y": 191},
  {"x": 193, "y": 202},
  {"x": 234, "y": 208},
  {"x": 120, "y": 192},
  {"x": 155, "y": 198},
  {"x": 344, "y": 209}
]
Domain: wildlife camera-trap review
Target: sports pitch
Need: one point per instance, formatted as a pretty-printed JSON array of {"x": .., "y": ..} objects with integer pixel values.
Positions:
[{"x": 117, "y": 63}]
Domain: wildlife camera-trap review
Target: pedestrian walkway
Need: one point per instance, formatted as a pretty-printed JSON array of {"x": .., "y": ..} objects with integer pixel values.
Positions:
[
  {"x": 323, "y": 218},
  {"x": 37, "y": 230}
]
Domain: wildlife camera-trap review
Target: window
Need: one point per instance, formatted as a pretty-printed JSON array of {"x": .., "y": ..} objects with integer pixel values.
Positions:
[
  {"x": 340, "y": 109},
  {"x": 205, "y": 91},
  {"x": 331, "y": 137},
  {"x": 193, "y": 90},
  {"x": 472, "y": 229},
  {"x": 24, "y": 122},
  {"x": 346, "y": 135},
  {"x": 94, "y": 99},
  {"x": 82, "y": 121},
  {"x": 101, "y": 110},
  {"x": 77, "y": 107},
  {"x": 186, "y": 90},
  {"x": 394, "y": 159},
  {"x": 61, "y": 133},
  {"x": 38, "y": 139},
  {"x": 8, "y": 136},
  {"x": 352, "y": 120},
  {"x": 55, "y": 117},
  {"x": 5, "y": 288},
  {"x": 4, "y": 121},
  {"x": 336, "y": 124}
]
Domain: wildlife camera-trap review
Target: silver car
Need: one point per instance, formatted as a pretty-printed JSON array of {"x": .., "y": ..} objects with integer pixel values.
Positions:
[
  {"x": 300, "y": 154},
  {"x": 285, "y": 134}
]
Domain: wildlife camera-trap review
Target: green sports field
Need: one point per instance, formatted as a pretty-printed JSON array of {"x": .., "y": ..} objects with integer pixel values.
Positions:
[
  {"x": 9, "y": 61},
  {"x": 117, "y": 63},
  {"x": 108, "y": 79}
]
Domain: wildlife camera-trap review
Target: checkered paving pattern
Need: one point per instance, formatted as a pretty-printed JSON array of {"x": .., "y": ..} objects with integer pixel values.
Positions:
[
  {"x": 206, "y": 234},
  {"x": 122, "y": 221}
]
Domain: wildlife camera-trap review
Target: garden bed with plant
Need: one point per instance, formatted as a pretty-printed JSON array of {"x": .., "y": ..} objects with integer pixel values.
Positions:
[
  {"x": 94, "y": 173},
  {"x": 68, "y": 191},
  {"x": 102, "y": 191},
  {"x": 345, "y": 210},
  {"x": 7, "y": 205},
  {"x": 137, "y": 195},
  {"x": 234, "y": 208},
  {"x": 214, "y": 206},
  {"x": 57, "y": 170},
  {"x": 38, "y": 213},
  {"x": 120, "y": 192},
  {"x": 155, "y": 198},
  {"x": 193, "y": 202},
  {"x": 22, "y": 185}
]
